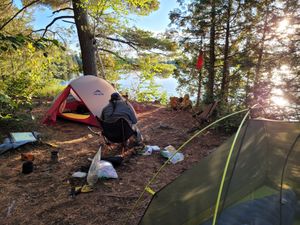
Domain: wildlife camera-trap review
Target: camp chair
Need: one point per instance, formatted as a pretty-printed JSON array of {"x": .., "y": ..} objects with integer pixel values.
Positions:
[
  {"x": 117, "y": 131},
  {"x": 203, "y": 116}
]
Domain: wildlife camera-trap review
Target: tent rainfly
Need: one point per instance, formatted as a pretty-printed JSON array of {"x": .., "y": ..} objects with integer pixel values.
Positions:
[
  {"x": 262, "y": 186},
  {"x": 81, "y": 101}
]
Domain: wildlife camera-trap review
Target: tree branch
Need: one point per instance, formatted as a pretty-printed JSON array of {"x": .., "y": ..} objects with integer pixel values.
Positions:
[
  {"x": 59, "y": 10},
  {"x": 53, "y": 32},
  {"x": 111, "y": 52},
  {"x": 66, "y": 21},
  {"x": 53, "y": 21},
  {"x": 117, "y": 55},
  {"x": 35, "y": 31},
  {"x": 14, "y": 16},
  {"x": 131, "y": 44}
]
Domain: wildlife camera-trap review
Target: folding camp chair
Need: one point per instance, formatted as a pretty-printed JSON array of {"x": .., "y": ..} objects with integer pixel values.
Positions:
[
  {"x": 117, "y": 131},
  {"x": 203, "y": 116}
]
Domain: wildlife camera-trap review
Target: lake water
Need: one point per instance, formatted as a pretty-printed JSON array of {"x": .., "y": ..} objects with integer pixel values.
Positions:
[{"x": 168, "y": 85}]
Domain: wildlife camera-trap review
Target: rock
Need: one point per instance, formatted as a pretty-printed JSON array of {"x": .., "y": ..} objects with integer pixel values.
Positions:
[{"x": 165, "y": 127}]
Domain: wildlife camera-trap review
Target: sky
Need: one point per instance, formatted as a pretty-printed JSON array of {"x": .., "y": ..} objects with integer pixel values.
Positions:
[{"x": 156, "y": 22}]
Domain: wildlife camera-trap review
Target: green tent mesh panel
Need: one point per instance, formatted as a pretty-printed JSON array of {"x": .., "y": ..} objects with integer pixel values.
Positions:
[{"x": 261, "y": 155}]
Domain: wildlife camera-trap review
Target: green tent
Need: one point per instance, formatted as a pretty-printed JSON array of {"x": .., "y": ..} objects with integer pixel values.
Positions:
[{"x": 262, "y": 183}]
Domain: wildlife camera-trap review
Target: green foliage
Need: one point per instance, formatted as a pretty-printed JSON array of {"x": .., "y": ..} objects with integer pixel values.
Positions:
[
  {"x": 121, "y": 7},
  {"x": 51, "y": 89},
  {"x": 151, "y": 65},
  {"x": 125, "y": 50},
  {"x": 146, "y": 40},
  {"x": 231, "y": 124},
  {"x": 144, "y": 90},
  {"x": 14, "y": 42},
  {"x": 149, "y": 91},
  {"x": 26, "y": 71},
  {"x": 109, "y": 26},
  {"x": 186, "y": 75},
  {"x": 146, "y": 64},
  {"x": 6, "y": 105},
  {"x": 54, "y": 3},
  {"x": 28, "y": 64},
  {"x": 20, "y": 77},
  {"x": 259, "y": 47}
]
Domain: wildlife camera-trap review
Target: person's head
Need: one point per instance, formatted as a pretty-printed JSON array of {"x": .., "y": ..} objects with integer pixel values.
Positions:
[{"x": 115, "y": 96}]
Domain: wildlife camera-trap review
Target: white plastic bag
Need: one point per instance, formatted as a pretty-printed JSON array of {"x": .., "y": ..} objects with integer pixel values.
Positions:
[
  {"x": 177, "y": 158},
  {"x": 147, "y": 150},
  {"x": 169, "y": 151},
  {"x": 79, "y": 174},
  {"x": 150, "y": 148},
  {"x": 92, "y": 176},
  {"x": 155, "y": 148},
  {"x": 106, "y": 170}
]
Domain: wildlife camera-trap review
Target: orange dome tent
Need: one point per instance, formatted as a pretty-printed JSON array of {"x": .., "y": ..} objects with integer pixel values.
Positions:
[{"x": 82, "y": 101}]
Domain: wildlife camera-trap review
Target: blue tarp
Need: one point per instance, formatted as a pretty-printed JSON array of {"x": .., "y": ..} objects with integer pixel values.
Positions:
[
  {"x": 9, "y": 144},
  {"x": 263, "y": 211}
]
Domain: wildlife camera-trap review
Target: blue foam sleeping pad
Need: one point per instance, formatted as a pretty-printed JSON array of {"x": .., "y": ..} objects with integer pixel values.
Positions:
[{"x": 263, "y": 211}]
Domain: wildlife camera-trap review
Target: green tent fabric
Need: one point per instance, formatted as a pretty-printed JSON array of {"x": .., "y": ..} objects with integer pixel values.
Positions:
[{"x": 264, "y": 150}]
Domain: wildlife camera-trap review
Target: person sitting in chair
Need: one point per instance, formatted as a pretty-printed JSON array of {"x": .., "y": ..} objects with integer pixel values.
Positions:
[{"x": 118, "y": 108}]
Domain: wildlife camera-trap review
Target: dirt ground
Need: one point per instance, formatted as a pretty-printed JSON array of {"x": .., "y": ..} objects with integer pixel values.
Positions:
[{"x": 43, "y": 197}]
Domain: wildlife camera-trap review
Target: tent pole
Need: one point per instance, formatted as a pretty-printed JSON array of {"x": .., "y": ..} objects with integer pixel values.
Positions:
[
  {"x": 226, "y": 167},
  {"x": 234, "y": 166},
  {"x": 282, "y": 176}
]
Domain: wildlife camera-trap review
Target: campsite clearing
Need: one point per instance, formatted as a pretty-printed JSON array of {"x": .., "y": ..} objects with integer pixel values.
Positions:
[{"x": 42, "y": 197}]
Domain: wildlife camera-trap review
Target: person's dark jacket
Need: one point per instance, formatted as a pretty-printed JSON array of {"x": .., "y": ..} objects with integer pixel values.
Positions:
[{"x": 122, "y": 109}]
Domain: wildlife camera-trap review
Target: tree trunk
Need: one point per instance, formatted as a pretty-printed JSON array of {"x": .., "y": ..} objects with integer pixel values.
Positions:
[
  {"x": 199, "y": 87},
  {"x": 260, "y": 56},
  {"x": 212, "y": 57},
  {"x": 225, "y": 72},
  {"x": 247, "y": 90},
  {"x": 86, "y": 39}
]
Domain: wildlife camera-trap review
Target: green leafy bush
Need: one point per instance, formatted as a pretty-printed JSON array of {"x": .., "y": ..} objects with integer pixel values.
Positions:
[{"x": 231, "y": 124}]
